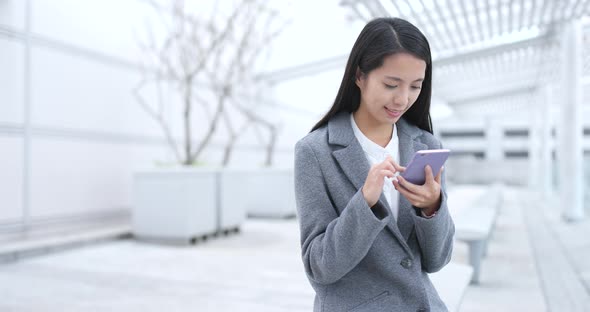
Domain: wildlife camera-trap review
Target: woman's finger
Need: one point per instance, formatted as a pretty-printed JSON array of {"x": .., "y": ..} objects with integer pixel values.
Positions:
[
  {"x": 428, "y": 174},
  {"x": 413, "y": 188},
  {"x": 439, "y": 175},
  {"x": 386, "y": 173},
  {"x": 399, "y": 168},
  {"x": 390, "y": 164},
  {"x": 414, "y": 199}
]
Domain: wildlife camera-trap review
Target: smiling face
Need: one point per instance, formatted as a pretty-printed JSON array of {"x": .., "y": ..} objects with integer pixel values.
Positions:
[{"x": 387, "y": 92}]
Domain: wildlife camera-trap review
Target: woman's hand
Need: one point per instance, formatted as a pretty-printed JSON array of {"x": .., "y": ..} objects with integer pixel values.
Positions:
[
  {"x": 427, "y": 196},
  {"x": 373, "y": 186}
]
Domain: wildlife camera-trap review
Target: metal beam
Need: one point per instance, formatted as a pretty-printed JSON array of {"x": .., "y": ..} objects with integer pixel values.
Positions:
[
  {"x": 558, "y": 7},
  {"x": 511, "y": 16},
  {"x": 422, "y": 23},
  {"x": 433, "y": 22},
  {"x": 506, "y": 90},
  {"x": 27, "y": 121},
  {"x": 532, "y": 16},
  {"x": 357, "y": 12},
  {"x": 478, "y": 19},
  {"x": 466, "y": 18},
  {"x": 521, "y": 19},
  {"x": 492, "y": 50},
  {"x": 378, "y": 7},
  {"x": 308, "y": 69},
  {"x": 585, "y": 9},
  {"x": 417, "y": 19},
  {"x": 461, "y": 38},
  {"x": 542, "y": 13},
  {"x": 338, "y": 62},
  {"x": 574, "y": 8},
  {"x": 443, "y": 21},
  {"x": 499, "y": 20},
  {"x": 372, "y": 10},
  {"x": 490, "y": 20}
]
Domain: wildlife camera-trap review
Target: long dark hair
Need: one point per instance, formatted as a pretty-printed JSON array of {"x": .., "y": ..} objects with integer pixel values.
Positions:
[{"x": 382, "y": 37}]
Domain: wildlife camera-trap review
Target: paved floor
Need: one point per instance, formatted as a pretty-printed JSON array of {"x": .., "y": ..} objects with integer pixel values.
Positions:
[
  {"x": 509, "y": 279},
  {"x": 256, "y": 270},
  {"x": 259, "y": 269}
]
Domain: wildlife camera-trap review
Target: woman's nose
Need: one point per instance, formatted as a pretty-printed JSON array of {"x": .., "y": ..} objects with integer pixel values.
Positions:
[{"x": 401, "y": 98}]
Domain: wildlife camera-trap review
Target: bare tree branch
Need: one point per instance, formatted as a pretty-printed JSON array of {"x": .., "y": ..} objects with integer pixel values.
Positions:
[
  {"x": 217, "y": 41},
  {"x": 212, "y": 126},
  {"x": 243, "y": 62},
  {"x": 272, "y": 129},
  {"x": 158, "y": 118},
  {"x": 203, "y": 49}
]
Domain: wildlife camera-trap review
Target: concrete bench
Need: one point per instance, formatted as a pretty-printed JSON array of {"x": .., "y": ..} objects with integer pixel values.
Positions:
[
  {"x": 474, "y": 210},
  {"x": 60, "y": 237},
  {"x": 451, "y": 283}
]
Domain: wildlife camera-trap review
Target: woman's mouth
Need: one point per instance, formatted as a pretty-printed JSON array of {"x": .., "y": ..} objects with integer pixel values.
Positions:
[{"x": 393, "y": 113}]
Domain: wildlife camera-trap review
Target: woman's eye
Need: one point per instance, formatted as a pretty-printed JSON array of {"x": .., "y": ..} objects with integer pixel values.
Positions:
[
  {"x": 416, "y": 87},
  {"x": 390, "y": 86}
]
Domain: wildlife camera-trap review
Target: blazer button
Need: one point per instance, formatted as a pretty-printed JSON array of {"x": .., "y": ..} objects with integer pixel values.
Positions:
[{"x": 406, "y": 263}]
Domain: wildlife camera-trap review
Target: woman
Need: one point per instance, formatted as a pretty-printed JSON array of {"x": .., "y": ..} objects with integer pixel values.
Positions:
[{"x": 368, "y": 236}]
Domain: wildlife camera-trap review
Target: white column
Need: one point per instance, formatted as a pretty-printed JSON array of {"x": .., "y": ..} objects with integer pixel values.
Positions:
[
  {"x": 494, "y": 149},
  {"x": 494, "y": 135},
  {"x": 535, "y": 147},
  {"x": 547, "y": 143},
  {"x": 570, "y": 131},
  {"x": 27, "y": 124}
]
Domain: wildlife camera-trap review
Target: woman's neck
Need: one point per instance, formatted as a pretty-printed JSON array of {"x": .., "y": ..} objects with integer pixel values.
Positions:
[{"x": 372, "y": 129}]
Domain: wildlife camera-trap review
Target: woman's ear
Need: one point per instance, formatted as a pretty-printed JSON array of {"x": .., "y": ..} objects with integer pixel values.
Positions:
[{"x": 358, "y": 77}]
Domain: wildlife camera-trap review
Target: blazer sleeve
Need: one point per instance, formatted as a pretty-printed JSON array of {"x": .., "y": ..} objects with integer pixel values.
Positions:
[
  {"x": 331, "y": 244},
  {"x": 435, "y": 235}
]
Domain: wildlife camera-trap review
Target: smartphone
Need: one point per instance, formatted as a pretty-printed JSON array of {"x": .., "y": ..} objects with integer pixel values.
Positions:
[{"x": 415, "y": 169}]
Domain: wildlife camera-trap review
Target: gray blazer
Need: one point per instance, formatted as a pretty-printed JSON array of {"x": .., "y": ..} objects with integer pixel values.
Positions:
[{"x": 358, "y": 258}]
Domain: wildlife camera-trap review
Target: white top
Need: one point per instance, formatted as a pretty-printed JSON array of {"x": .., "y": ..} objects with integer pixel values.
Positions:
[{"x": 376, "y": 154}]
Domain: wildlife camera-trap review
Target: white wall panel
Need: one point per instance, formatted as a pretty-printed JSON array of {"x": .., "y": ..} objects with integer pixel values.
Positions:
[
  {"x": 314, "y": 94},
  {"x": 11, "y": 80},
  {"x": 107, "y": 26},
  {"x": 295, "y": 126},
  {"x": 77, "y": 177},
  {"x": 304, "y": 42},
  {"x": 11, "y": 179},
  {"x": 284, "y": 159},
  {"x": 305, "y": 101},
  {"x": 12, "y": 13},
  {"x": 73, "y": 92}
]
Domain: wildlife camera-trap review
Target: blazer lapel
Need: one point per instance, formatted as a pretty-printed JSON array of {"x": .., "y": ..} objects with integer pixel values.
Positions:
[
  {"x": 356, "y": 169},
  {"x": 351, "y": 157},
  {"x": 408, "y": 145},
  {"x": 354, "y": 164}
]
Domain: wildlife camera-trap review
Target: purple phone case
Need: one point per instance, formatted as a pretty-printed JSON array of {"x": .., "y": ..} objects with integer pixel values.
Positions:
[{"x": 415, "y": 170}]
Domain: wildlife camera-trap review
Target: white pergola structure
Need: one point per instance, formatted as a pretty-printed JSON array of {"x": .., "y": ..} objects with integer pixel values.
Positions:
[{"x": 494, "y": 58}]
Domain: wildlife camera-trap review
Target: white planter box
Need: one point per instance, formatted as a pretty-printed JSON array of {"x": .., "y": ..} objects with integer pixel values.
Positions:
[
  {"x": 175, "y": 205},
  {"x": 232, "y": 210},
  {"x": 263, "y": 192}
]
